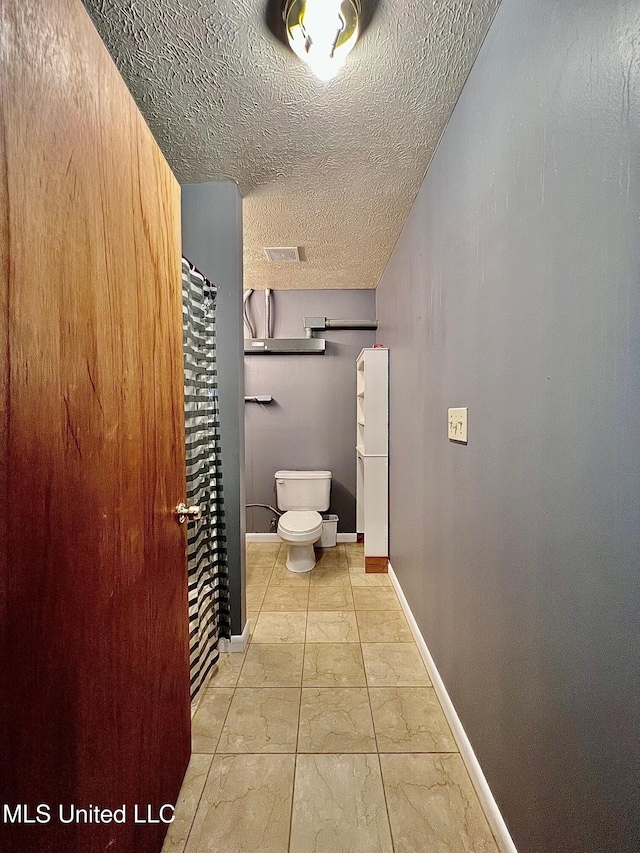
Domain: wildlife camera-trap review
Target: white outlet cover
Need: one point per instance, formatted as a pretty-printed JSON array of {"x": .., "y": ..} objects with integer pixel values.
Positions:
[{"x": 457, "y": 425}]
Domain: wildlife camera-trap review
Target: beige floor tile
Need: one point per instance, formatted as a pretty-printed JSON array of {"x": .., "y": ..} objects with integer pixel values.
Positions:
[
  {"x": 258, "y": 575},
  {"x": 331, "y": 556},
  {"x": 260, "y": 582},
  {"x": 255, "y": 596},
  {"x": 336, "y": 719},
  {"x": 383, "y": 626},
  {"x": 333, "y": 665},
  {"x": 355, "y": 554},
  {"x": 281, "y": 559},
  {"x": 209, "y": 718},
  {"x": 330, "y": 574},
  {"x": 360, "y": 578},
  {"x": 272, "y": 665},
  {"x": 285, "y": 598},
  {"x": 433, "y": 806},
  {"x": 339, "y": 806},
  {"x": 190, "y": 794},
  {"x": 259, "y": 565},
  {"x": 333, "y": 626},
  {"x": 266, "y": 556},
  {"x": 394, "y": 665},
  {"x": 252, "y": 616},
  {"x": 263, "y": 548},
  {"x": 375, "y": 598},
  {"x": 281, "y": 576},
  {"x": 246, "y": 805},
  {"x": 227, "y": 670},
  {"x": 410, "y": 719},
  {"x": 280, "y": 628},
  {"x": 261, "y": 719},
  {"x": 330, "y": 597}
]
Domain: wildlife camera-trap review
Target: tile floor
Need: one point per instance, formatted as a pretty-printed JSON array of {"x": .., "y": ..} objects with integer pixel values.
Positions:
[{"x": 325, "y": 735}]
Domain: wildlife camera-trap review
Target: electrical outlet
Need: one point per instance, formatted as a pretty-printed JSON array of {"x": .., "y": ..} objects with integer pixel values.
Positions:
[{"x": 457, "y": 425}]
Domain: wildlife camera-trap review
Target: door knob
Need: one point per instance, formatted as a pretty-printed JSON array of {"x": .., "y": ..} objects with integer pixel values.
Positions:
[{"x": 190, "y": 513}]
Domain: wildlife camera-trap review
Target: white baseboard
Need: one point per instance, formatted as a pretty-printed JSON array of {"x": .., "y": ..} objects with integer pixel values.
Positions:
[
  {"x": 273, "y": 537},
  {"x": 489, "y": 805},
  {"x": 237, "y": 643}
]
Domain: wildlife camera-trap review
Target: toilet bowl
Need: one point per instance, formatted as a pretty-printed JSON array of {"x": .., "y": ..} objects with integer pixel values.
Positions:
[
  {"x": 301, "y": 494},
  {"x": 300, "y": 529}
]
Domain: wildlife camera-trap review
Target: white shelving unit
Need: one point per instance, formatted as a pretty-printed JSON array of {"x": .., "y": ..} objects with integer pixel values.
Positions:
[{"x": 372, "y": 456}]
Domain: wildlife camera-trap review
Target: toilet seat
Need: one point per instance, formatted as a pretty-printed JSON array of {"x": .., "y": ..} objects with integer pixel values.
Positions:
[{"x": 300, "y": 525}]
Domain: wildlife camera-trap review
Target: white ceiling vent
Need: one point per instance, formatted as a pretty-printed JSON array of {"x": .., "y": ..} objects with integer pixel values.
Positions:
[{"x": 288, "y": 254}]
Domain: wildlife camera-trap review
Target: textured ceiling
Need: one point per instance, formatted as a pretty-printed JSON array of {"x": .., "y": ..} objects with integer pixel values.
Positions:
[{"x": 331, "y": 167}]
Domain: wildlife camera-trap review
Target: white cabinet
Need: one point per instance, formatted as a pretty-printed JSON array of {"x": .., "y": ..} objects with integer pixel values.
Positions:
[{"x": 372, "y": 456}]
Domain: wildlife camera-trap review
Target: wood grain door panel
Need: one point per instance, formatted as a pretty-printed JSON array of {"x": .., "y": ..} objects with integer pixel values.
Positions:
[{"x": 94, "y": 700}]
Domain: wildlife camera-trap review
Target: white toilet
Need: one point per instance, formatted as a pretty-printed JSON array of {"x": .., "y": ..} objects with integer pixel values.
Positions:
[{"x": 303, "y": 494}]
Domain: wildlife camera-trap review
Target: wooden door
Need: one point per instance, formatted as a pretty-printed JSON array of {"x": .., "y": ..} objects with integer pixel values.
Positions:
[{"x": 93, "y": 600}]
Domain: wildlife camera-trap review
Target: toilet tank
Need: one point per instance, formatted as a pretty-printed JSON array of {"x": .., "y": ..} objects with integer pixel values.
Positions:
[{"x": 303, "y": 490}]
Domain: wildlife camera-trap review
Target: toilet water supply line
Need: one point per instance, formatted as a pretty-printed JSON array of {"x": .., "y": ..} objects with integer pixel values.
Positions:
[
  {"x": 267, "y": 506},
  {"x": 275, "y": 511}
]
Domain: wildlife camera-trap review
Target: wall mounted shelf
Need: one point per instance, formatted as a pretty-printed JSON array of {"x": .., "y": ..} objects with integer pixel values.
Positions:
[{"x": 284, "y": 346}]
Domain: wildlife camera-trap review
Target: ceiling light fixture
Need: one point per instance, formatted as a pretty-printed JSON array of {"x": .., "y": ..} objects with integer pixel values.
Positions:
[{"x": 322, "y": 32}]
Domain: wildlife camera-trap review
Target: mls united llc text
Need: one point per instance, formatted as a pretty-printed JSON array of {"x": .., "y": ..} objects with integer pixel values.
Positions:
[{"x": 43, "y": 813}]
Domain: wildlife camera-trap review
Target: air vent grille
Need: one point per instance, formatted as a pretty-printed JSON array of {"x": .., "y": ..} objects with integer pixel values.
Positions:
[{"x": 283, "y": 254}]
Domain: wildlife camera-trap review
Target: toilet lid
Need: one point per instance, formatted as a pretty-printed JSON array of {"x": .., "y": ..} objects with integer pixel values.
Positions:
[{"x": 299, "y": 521}]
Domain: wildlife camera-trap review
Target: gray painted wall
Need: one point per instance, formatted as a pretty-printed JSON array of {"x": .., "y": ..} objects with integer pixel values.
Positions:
[
  {"x": 312, "y": 422},
  {"x": 212, "y": 240},
  {"x": 515, "y": 290}
]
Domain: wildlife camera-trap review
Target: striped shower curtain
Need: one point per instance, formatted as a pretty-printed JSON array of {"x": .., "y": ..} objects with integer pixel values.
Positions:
[{"x": 209, "y": 618}]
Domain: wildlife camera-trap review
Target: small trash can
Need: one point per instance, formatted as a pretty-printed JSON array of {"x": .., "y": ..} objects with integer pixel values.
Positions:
[{"x": 329, "y": 535}]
